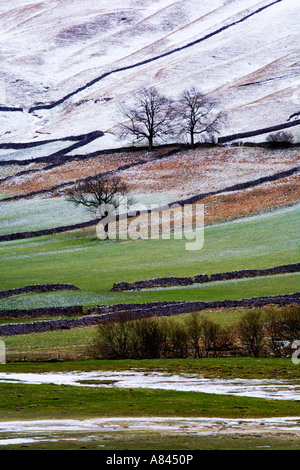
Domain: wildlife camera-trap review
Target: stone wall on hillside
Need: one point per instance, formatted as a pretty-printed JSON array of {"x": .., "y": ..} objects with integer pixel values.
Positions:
[
  {"x": 203, "y": 278},
  {"x": 104, "y": 313},
  {"x": 36, "y": 288},
  {"x": 174, "y": 307},
  {"x": 41, "y": 312},
  {"x": 46, "y": 325}
]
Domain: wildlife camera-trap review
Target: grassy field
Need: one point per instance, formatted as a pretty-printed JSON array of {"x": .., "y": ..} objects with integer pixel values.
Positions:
[
  {"x": 63, "y": 401},
  {"x": 237, "y": 289},
  {"x": 94, "y": 266},
  {"x": 79, "y": 258},
  {"x": 25, "y": 402},
  {"x": 137, "y": 441},
  {"x": 39, "y": 213}
]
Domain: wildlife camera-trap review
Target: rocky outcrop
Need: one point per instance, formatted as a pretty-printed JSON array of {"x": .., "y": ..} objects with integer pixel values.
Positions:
[{"x": 203, "y": 278}]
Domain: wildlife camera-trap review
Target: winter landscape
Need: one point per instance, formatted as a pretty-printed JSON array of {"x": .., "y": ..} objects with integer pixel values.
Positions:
[{"x": 150, "y": 218}]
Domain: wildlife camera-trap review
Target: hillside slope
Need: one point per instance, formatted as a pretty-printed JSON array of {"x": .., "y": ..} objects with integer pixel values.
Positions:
[{"x": 64, "y": 70}]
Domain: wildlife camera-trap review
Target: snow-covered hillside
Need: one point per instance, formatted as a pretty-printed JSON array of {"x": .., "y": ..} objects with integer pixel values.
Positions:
[{"x": 54, "y": 53}]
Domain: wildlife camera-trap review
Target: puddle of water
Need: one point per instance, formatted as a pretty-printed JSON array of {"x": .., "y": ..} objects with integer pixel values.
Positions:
[{"x": 26, "y": 432}]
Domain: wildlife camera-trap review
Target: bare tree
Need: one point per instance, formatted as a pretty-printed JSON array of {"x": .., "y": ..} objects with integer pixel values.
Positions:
[
  {"x": 150, "y": 117},
  {"x": 195, "y": 115},
  {"x": 210, "y": 336},
  {"x": 250, "y": 330},
  {"x": 178, "y": 339},
  {"x": 99, "y": 192},
  {"x": 194, "y": 328},
  {"x": 114, "y": 339},
  {"x": 151, "y": 337}
]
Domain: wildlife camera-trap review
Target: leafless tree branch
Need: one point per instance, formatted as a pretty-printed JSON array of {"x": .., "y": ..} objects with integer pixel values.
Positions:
[
  {"x": 195, "y": 115},
  {"x": 150, "y": 117}
]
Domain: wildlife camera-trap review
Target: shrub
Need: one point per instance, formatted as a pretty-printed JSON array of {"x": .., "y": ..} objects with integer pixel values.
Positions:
[
  {"x": 150, "y": 338},
  {"x": 258, "y": 333},
  {"x": 125, "y": 338},
  {"x": 273, "y": 328},
  {"x": 282, "y": 328},
  {"x": 114, "y": 339},
  {"x": 178, "y": 339},
  {"x": 209, "y": 337},
  {"x": 193, "y": 324},
  {"x": 280, "y": 139},
  {"x": 250, "y": 332}
]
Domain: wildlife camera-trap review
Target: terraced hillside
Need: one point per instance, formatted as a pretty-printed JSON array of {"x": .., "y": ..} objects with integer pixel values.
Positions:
[
  {"x": 68, "y": 297},
  {"x": 59, "y": 108},
  {"x": 251, "y": 222}
]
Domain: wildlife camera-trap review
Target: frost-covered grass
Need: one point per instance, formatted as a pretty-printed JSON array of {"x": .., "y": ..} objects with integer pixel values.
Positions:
[
  {"x": 201, "y": 170},
  {"x": 67, "y": 48},
  {"x": 57, "y": 299},
  {"x": 39, "y": 213}
]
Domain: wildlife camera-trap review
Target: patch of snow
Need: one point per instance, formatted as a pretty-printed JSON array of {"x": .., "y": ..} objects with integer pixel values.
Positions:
[
  {"x": 269, "y": 389},
  {"x": 49, "y": 50},
  {"x": 21, "y": 432}
]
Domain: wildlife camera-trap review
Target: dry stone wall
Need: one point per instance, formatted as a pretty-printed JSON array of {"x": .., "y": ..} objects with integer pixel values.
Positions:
[
  {"x": 203, "y": 278},
  {"x": 46, "y": 325},
  {"x": 106, "y": 313},
  {"x": 41, "y": 312},
  {"x": 174, "y": 307},
  {"x": 35, "y": 288}
]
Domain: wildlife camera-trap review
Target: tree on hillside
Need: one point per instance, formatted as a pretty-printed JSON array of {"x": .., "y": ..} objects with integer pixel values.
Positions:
[
  {"x": 150, "y": 117},
  {"x": 195, "y": 115},
  {"x": 100, "y": 194}
]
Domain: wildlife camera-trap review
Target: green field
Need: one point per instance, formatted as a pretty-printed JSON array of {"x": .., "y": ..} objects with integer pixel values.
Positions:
[
  {"x": 79, "y": 258},
  {"x": 86, "y": 402},
  {"x": 263, "y": 241},
  {"x": 21, "y": 402},
  {"x": 78, "y": 342}
]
